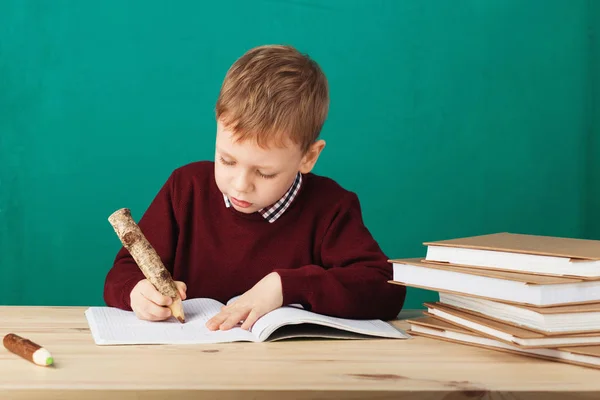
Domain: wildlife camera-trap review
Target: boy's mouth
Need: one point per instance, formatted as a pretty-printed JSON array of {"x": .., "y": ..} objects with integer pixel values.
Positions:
[{"x": 240, "y": 203}]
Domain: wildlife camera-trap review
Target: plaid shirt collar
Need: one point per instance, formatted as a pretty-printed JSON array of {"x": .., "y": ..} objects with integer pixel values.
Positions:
[{"x": 275, "y": 211}]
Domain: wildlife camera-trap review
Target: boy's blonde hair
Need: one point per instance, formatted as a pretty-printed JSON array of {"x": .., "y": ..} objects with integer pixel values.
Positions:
[{"x": 273, "y": 93}]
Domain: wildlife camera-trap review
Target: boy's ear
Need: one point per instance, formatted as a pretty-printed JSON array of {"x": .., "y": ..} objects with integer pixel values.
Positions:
[{"x": 312, "y": 155}]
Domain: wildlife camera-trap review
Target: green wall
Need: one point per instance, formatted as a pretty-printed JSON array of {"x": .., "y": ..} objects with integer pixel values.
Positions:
[
  {"x": 447, "y": 118},
  {"x": 593, "y": 185}
]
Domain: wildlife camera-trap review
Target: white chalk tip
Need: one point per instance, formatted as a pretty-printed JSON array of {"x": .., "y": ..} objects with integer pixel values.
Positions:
[{"x": 43, "y": 357}]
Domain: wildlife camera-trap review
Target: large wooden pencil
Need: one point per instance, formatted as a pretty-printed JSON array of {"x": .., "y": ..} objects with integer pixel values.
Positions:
[
  {"x": 27, "y": 349},
  {"x": 146, "y": 258}
]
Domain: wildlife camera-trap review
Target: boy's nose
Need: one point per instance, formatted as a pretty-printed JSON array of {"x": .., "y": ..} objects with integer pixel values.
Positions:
[{"x": 242, "y": 183}]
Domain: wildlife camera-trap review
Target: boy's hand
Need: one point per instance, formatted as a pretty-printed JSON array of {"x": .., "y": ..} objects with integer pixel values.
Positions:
[
  {"x": 264, "y": 297},
  {"x": 147, "y": 302}
]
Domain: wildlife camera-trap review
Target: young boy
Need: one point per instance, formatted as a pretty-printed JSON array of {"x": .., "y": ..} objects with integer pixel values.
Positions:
[{"x": 256, "y": 223}]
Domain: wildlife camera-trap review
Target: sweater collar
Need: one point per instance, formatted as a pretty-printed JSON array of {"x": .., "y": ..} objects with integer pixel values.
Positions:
[{"x": 276, "y": 210}]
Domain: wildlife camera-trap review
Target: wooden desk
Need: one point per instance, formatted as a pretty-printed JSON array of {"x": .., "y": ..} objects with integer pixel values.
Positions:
[{"x": 305, "y": 369}]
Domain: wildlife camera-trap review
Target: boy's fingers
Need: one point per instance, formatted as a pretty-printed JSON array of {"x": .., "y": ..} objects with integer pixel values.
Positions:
[
  {"x": 250, "y": 320},
  {"x": 155, "y": 297},
  {"x": 156, "y": 313},
  {"x": 149, "y": 311},
  {"x": 182, "y": 288},
  {"x": 214, "y": 323},
  {"x": 233, "y": 319}
]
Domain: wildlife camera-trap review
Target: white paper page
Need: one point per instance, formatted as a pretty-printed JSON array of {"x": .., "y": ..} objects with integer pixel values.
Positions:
[
  {"x": 112, "y": 326},
  {"x": 291, "y": 315}
]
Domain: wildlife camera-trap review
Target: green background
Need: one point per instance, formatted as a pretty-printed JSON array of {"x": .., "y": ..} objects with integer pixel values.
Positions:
[
  {"x": 448, "y": 118},
  {"x": 593, "y": 155}
]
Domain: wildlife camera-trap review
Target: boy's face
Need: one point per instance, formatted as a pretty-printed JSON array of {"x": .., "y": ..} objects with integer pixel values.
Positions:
[{"x": 254, "y": 178}]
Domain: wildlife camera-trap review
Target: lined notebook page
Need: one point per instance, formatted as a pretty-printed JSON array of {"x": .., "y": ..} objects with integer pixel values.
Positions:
[{"x": 112, "y": 326}]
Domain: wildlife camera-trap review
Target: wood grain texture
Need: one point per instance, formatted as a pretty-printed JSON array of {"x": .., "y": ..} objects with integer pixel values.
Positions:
[{"x": 301, "y": 369}]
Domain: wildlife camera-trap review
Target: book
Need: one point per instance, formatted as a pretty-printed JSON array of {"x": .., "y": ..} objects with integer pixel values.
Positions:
[
  {"x": 587, "y": 356},
  {"x": 512, "y": 335},
  {"x": 511, "y": 287},
  {"x": 557, "y": 320},
  {"x": 112, "y": 326},
  {"x": 534, "y": 254}
]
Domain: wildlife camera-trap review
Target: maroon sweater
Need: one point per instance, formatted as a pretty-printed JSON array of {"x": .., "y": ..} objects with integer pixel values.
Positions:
[{"x": 326, "y": 257}]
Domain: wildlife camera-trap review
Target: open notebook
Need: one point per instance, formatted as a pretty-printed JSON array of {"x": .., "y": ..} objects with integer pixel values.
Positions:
[{"x": 112, "y": 326}]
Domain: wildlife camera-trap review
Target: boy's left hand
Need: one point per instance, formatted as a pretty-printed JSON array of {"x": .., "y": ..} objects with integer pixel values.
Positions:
[{"x": 264, "y": 297}]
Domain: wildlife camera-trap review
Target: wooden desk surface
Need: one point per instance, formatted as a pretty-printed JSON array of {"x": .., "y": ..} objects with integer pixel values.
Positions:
[{"x": 303, "y": 369}]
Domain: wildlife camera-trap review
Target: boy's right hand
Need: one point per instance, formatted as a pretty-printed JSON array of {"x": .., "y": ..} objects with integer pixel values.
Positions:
[{"x": 147, "y": 302}]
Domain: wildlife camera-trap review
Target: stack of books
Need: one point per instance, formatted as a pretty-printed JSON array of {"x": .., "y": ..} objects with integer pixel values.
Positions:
[{"x": 533, "y": 295}]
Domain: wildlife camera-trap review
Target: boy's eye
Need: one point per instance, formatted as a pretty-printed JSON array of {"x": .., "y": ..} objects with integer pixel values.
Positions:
[
  {"x": 266, "y": 176},
  {"x": 224, "y": 161}
]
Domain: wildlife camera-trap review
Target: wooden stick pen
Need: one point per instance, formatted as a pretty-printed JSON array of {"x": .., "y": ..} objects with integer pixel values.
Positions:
[
  {"x": 146, "y": 258},
  {"x": 27, "y": 349}
]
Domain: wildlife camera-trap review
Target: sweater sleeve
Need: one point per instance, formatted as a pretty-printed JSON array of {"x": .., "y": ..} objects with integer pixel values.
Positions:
[
  {"x": 159, "y": 226},
  {"x": 352, "y": 281}
]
